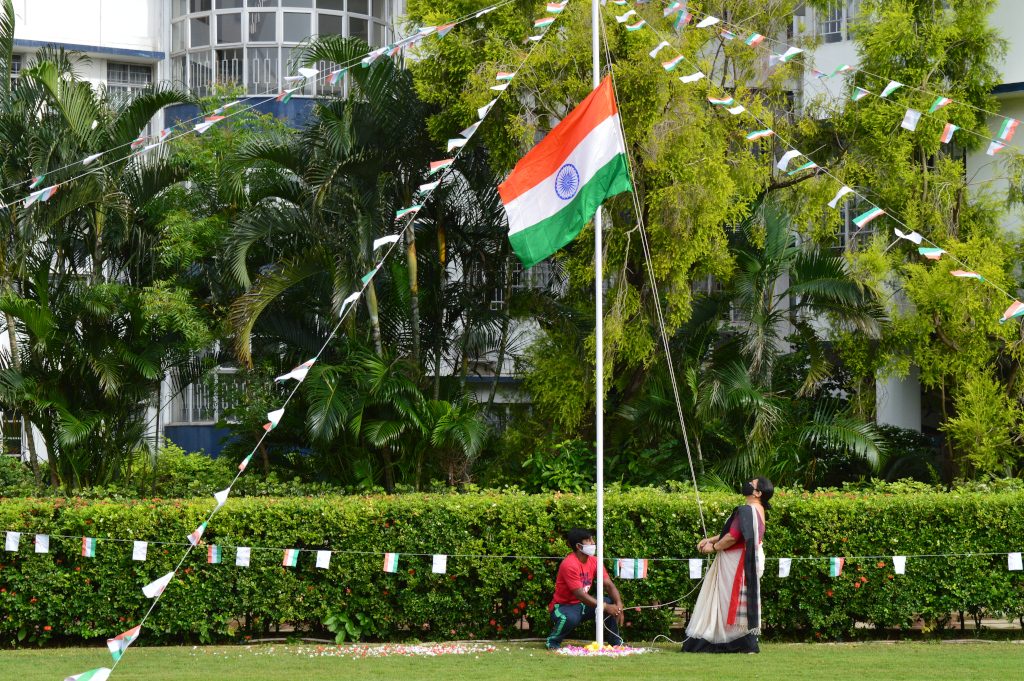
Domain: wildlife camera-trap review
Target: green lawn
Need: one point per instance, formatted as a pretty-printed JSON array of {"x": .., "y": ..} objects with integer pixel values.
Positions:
[{"x": 881, "y": 661}]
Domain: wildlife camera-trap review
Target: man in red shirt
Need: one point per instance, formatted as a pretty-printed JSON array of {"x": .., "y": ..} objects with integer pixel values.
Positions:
[{"x": 572, "y": 602}]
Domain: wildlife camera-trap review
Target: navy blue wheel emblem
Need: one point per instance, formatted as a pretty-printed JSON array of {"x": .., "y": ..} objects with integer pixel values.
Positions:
[{"x": 567, "y": 182}]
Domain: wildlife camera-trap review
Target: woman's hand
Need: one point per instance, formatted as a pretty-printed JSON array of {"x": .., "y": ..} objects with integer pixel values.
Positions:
[
  {"x": 701, "y": 543},
  {"x": 707, "y": 547}
]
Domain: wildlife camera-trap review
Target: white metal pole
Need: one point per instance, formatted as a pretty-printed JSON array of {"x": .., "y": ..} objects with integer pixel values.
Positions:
[{"x": 595, "y": 17}]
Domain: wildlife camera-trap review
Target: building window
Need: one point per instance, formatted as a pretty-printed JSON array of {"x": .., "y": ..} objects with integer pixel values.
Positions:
[
  {"x": 200, "y": 73},
  {"x": 296, "y": 27},
  {"x": 830, "y": 22},
  {"x": 262, "y": 3},
  {"x": 359, "y": 6},
  {"x": 178, "y": 36},
  {"x": 15, "y": 67},
  {"x": 229, "y": 28},
  {"x": 207, "y": 401},
  {"x": 330, "y": 24},
  {"x": 229, "y": 66},
  {"x": 179, "y": 77},
  {"x": 178, "y": 8},
  {"x": 10, "y": 425},
  {"x": 359, "y": 28},
  {"x": 200, "y": 5},
  {"x": 125, "y": 79},
  {"x": 263, "y": 27},
  {"x": 262, "y": 62},
  {"x": 334, "y": 5},
  {"x": 199, "y": 31},
  {"x": 229, "y": 4}
]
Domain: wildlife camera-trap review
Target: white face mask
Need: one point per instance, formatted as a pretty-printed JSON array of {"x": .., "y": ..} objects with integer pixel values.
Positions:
[{"x": 589, "y": 549}]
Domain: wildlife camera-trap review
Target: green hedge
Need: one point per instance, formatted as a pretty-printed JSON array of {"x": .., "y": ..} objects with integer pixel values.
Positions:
[{"x": 62, "y": 595}]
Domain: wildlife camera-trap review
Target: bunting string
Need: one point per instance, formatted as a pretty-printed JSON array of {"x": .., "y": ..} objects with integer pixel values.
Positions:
[
  {"x": 933, "y": 251},
  {"x": 442, "y": 168}
]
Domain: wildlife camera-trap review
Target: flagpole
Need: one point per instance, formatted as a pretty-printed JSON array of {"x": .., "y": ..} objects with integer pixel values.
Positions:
[{"x": 595, "y": 16}]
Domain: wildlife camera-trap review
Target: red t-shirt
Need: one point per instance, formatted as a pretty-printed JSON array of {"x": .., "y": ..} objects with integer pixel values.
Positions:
[{"x": 572, "y": 574}]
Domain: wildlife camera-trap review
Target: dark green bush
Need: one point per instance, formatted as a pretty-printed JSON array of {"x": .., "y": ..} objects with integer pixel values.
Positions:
[{"x": 80, "y": 598}]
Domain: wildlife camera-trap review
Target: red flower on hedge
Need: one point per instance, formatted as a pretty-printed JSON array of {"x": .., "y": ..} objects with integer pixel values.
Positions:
[
  {"x": 856, "y": 585},
  {"x": 47, "y": 628},
  {"x": 881, "y": 564},
  {"x": 493, "y": 623},
  {"x": 829, "y": 593}
]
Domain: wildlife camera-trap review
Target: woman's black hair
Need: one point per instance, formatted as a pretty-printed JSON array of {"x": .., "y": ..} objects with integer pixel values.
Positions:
[{"x": 767, "y": 490}]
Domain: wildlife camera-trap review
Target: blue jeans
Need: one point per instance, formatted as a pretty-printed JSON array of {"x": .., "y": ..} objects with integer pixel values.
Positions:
[{"x": 565, "y": 618}]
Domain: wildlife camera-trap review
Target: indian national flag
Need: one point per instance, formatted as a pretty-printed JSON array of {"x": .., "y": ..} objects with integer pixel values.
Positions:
[
  {"x": 390, "y": 562},
  {"x": 754, "y": 39},
  {"x": 860, "y": 93},
  {"x": 120, "y": 643},
  {"x": 867, "y": 216},
  {"x": 939, "y": 103},
  {"x": 286, "y": 95},
  {"x": 440, "y": 165},
  {"x": 931, "y": 253},
  {"x": 556, "y": 7},
  {"x": 842, "y": 68},
  {"x": 964, "y": 274},
  {"x": 36, "y": 181},
  {"x": 558, "y": 186},
  {"x": 101, "y": 674},
  {"x": 1008, "y": 128},
  {"x": 291, "y": 558},
  {"x": 671, "y": 63},
  {"x": 947, "y": 133},
  {"x": 196, "y": 534},
  {"x": 835, "y": 566},
  {"x": 543, "y": 21},
  {"x": 505, "y": 75},
  {"x": 759, "y": 134},
  {"x": 683, "y": 19},
  {"x": 88, "y": 547},
  {"x": 245, "y": 463},
  {"x": 631, "y": 568},
  {"x": 1016, "y": 309},
  {"x": 214, "y": 554},
  {"x": 637, "y": 26},
  {"x": 722, "y": 101},
  {"x": 336, "y": 76}
]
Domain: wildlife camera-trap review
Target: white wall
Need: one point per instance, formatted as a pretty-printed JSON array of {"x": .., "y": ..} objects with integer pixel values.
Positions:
[
  {"x": 124, "y": 24},
  {"x": 898, "y": 401}
]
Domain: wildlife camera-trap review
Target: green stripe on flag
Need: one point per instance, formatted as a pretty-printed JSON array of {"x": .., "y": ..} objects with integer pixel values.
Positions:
[{"x": 542, "y": 239}]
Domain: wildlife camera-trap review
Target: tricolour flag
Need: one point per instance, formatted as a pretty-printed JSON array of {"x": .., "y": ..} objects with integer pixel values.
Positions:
[
  {"x": 390, "y": 562},
  {"x": 947, "y": 133},
  {"x": 637, "y": 26},
  {"x": 939, "y": 103},
  {"x": 842, "y": 68},
  {"x": 867, "y": 216},
  {"x": 671, "y": 64},
  {"x": 299, "y": 372},
  {"x": 291, "y": 558},
  {"x": 754, "y": 39},
  {"x": 994, "y": 148},
  {"x": 336, "y": 76},
  {"x": 843, "y": 191},
  {"x": 205, "y": 125},
  {"x": 892, "y": 87},
  {"x": 805, "y": 166},
  {"x": 964, "y": 274},
  {"x": 1016, "y": 309},
  {"x": 785, "y": 56},
  {"x": 674, "y": 7},
  {"x": 36, "y": 181},
  {"x": 42, "y": 195},
  {"x": 505, "y": 75},
  {"x": 101, "y": 674},
  {"x": 88, "y": 547},
  {"x": 692, "y": 78},
  {"x": 556, "y": 7},
  {"x": 120, "y": 643},
  {"x": 625, "y": 17},
  {"x": 859, "y": 93},
  {"x": 197, "y": 534},
  {"x": 369, "y": 275},
  {"x": 1008, "y": 128},
  {"x": 835, "y": 566},
  {"x": 442, "y": 31},
  {"x": 245, "y": 463},
  {"x": 543, "y": 22},
  {"x": 708, "y": 21},
  {"x": 722, "y": 101},
  {"x": 273, "y": 418},
  {"x": 440, "y": 165},
  {"x": 931, "y": 253},
  {"x": 214, "y": 554},
  {"x": 682, "y": 20},
  {"x": 557, "y": 187},
  {"x": 138, "y": 142},
  {"x": 221, "y": 109},
  {"x": 411, "y": 210},
  {"x": 165, "y": 133},
  {"x": 728, "y": 35},
  {"x": 157, "y": 586},
  {"x": 631, "y": 568},
  {"x": 285, "y": 96},
  {"x": 759, "y": 134}
]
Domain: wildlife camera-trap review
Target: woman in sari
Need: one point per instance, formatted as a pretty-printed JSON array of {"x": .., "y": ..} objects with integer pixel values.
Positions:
[{"x": 727, "y": 615}]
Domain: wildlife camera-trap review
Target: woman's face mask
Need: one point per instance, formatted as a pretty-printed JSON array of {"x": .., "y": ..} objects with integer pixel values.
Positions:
[
  {"x": 747, "y": 489},
  {"x": 589, "y": 549}
]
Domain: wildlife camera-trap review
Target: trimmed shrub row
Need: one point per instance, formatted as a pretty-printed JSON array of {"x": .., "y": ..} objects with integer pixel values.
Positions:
[{"x": 485, "y": 593}]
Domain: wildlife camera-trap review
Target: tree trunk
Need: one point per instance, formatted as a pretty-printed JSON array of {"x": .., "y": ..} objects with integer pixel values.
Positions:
[
  {"x": 265, "y": 456},
  {"x": 389, "y": 470},
  {"x": 414, "y": 293},
  {"x": 371, "y": 307}
]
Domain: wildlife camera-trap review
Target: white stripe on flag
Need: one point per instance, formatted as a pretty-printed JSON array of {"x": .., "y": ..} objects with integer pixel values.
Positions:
[
  {"x": 696, "y": 568},
  {"x": 440, "y": 564},
  {"x": 785, "y": 564},
  {"x": 42, "y": 543},
  {"x": 323, "y": 559},
  {"x": 242, "y": 556},
  {"x": 139, "y": 550}
]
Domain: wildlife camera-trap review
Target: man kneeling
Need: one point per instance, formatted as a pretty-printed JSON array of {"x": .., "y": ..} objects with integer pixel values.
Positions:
[{"x": 572, "y": 602}]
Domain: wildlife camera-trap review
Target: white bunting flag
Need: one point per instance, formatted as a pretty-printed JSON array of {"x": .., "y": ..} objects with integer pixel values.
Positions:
[
  {"x": 42, "y": 543},
  {"x": 12, "y": 541},
  {"x": 307, "y": 72},
  {"x": 786, "y": 158},
  {"x": 483, "y": 111},
  {"x": 323, "y": 559},
  {"x": 899, "y": 565},
  {"x": 439, "y": 564},
  {"x": 913, "y": 236},
  {"x": 498, "y": 88},
  {"x": 625, "y": 17},
  {"x": 457, "y": 143},
  {"x": 139, "y": 550},
  {"x": 892, "y": 87},
  {"x": 708, "y": 21},
  {"x": 692, "y": 78},
  {"x": 784, "y": 57},
  {"x": 242, "y": 554},
  {"x": 785, "y": 565},
  {"x": 736, "y": 110},
  {"x": 157, "y": 586},
  {"x": 385, "y": 240},
  {"x": 88, "y": 160},
  {"x": 274, "y": 418},
  {"x": 298, "y": 373},
  {"x": 353, "y": 297},
  {"x": 910, "y": 119},
  {"x": 662, "y": 45},
  {"x": 95, "y": 124},
  {"x": 222, "y": 496},
  {"x": 293, "y": 79},
  {"x": 428, "y": 187},
  {"x": 843, "y": 191},
  {"x": 1014, "y": 562},
  {"x": 468, "y": 132},
  {"x": 696, "y": 568}
]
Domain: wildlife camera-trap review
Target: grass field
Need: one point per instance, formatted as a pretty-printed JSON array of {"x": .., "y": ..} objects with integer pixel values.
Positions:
[{"x": 792, "y": 662}]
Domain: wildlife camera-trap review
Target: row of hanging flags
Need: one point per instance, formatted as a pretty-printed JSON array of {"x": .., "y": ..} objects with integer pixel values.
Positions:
[
  {"x": 304, "y": 76},
  {"x": 793, "y": 162},
  {"x": 438, "y": 170},
  {"x": 625, "y": 568}
]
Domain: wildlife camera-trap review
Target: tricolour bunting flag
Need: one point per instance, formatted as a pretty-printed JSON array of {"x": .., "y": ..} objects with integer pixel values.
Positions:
[
  {"x": 208, "y": 123},
  {"x": 458, "y": 142},
  {"x": 673, "y": 7},
  {"x": 910, "y": 119},
  {"x": 892, "y": 87},
  {"x": 558, "y": 186},
  {"x": 1008, "y": 128},
  {"x": 273, "y": 418},
  {"x": 964, "y": 274},
  {"x": 835, "y": 566},
  {"x": 411, "y": 210},
  {"x": 631, "y": 568},
  {"x": 913, "y": 237},
  {"x": 245, "y": 462},
  {"x": 42, "y": 195},
  {"x": 101, "y": 674},
  {"x": 931, "y": 253},
  {"x": 754, "y": 39},
  {"x": 736, "y": 110},
  {"x": 947, "y": 133},
  {"x": 390, "y": 562},
  {"x": 625, "y": 17},
  {"x": 859, "y": 93},
  {"x": 88, "y": 547},
  {"x": 157, "y": 586},
  {"x": 759, "y": 134},
  {"x": 299, "y": 372},
  {"x": 722, "y": 101},
  {"x": 505, "y": 75},
  {"x": 88, "y": 160},
  {"x": 1016, "y": 309},
  {"x": 120, "y": 643},
  {"x": 993, "y": 148},
  {"x": 939, "y": 103},
  {"x": 786, "y": 158},
  {"x": 197, "y": 534},
  {"x": 637, "y": 26},
  {"x": 671, "y": 64},
  {"x": 867, "y": 216},
  {"x": 291, "y": 558},
  {"x": 214, "y": 554}
]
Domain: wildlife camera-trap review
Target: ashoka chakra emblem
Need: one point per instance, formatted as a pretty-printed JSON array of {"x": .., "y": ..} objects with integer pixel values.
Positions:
[{"x": 567, "y": 182}]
